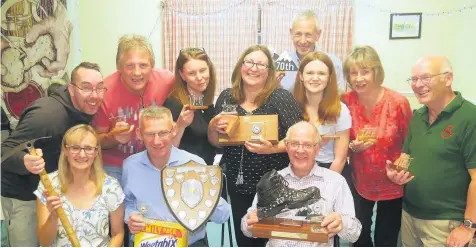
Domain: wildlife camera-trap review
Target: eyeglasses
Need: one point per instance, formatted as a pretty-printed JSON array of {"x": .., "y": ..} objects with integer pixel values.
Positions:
[
  {"x": 250, "y": 64},
  {"x": 88, "y": 150},
  {"x": 88, "y": 90},
  {"x": 162, "y": 134},
  {"x": 296, "y": 145},
  {"x": 425, "y": 79}
]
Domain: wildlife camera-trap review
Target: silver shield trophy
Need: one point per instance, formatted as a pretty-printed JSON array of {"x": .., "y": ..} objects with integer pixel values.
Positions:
[{"x": 192, "y": 192}]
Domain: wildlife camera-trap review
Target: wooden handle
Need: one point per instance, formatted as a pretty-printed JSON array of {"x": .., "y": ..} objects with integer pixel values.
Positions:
[
  {"x": 117, "y": 130},
  {"x": 45, "y": 180}
]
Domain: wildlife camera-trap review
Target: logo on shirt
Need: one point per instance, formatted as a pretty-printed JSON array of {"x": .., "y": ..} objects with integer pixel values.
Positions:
[{"x": 447, "y": 132}]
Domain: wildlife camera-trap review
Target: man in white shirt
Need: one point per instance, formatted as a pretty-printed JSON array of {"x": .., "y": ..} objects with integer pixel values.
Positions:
[{"x": 336, "y": 203}]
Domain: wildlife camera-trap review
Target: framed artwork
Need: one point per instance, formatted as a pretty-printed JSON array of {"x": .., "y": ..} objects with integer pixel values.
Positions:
[{"x": 405, "y": 26}]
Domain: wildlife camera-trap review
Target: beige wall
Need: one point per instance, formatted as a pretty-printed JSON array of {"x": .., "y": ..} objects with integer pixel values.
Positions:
[
  {"x": 452, "y": 36},
  {"x": 102, "y": 22}
]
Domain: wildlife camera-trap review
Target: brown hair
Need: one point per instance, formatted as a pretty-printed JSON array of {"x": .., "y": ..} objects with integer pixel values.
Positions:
[
  {"x": 237, "y": 82},
  {"x": 85, "y": 65},
  {"x": 179, "y": 90},
  {"x": 364, "y": 57},
  {"x": 329, "y": 107}
]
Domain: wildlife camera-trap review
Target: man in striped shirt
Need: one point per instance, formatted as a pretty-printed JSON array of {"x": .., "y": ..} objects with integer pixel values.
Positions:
[{"x": 337, "y": 204}]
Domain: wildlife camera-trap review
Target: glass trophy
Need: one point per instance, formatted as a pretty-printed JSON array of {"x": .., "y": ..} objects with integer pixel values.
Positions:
[
  {"x": 367, "y": 134},
  {"x": 196, "y": 102}
]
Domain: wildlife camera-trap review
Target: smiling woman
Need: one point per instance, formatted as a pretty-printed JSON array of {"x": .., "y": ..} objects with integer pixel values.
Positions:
[
  {"x": 387, "y": 114},
  {"x": 84, "y": 188}
]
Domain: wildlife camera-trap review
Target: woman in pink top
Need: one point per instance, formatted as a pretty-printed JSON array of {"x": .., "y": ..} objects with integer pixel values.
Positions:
[{"x": 386, "y": 114}]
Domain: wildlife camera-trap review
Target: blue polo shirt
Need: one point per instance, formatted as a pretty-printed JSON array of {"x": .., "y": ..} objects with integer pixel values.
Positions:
[{"x": 142, "y": 186}]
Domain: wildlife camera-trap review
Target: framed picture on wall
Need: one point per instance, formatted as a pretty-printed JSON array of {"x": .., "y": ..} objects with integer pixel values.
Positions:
[{"x": 405, "y": 26}]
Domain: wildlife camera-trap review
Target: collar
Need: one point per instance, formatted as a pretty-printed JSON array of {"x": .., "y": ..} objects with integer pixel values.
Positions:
[
  {"x": 316, "y": 171},
  {"x": 296, "y": 56},
  {"x": 172, "y": 161},
  {"x": 450, "y": 108}
]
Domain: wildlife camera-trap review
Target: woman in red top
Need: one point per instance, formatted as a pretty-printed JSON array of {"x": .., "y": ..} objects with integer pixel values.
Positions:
[{"x": 385, "y": 114}]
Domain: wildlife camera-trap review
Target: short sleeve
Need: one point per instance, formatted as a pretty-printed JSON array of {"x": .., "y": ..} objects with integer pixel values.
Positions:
[
  {"x": 112, "y": 194},
  {"x": 345, "y": 120},
  {"x": 469, "y": 146}
]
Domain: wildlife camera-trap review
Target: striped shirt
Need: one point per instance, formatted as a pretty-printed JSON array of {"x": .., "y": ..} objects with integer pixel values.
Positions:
[{"x": 336, "y": 197}]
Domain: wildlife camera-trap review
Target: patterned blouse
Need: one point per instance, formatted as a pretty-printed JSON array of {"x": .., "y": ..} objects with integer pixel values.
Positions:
[
  {"x": 280, "y": 102},
  {"x": 90, "y": 225},
  {"x": 391, "y": 117}
]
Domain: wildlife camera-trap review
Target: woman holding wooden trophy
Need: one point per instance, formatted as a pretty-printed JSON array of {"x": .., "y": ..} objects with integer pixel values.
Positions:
[
  {"x": 316, "y": 92},
  {"x": 380, "y": 119},
  {"x": 191, "y": 102},
  {"x": 263, "y": 108},
  {"x": 92, "y": 200}
]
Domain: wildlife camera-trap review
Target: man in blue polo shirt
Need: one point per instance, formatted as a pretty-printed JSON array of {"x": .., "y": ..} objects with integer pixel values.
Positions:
[
  {"x": 141, "y": 176},
  {"x": 305, "y": 32}
]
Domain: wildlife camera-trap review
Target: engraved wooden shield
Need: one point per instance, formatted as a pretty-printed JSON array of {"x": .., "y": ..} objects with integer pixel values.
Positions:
[{"x": 192, "y": 192}]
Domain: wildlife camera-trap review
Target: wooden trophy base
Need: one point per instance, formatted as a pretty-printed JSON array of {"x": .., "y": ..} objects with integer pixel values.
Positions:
[
  {"x": 280, "y": 228},
  {"x": 198, "y": 107},
  {"x": 399, "y": 168},
  {"x": 330, "y": 137},
  {"x": 252, "y": 128}
]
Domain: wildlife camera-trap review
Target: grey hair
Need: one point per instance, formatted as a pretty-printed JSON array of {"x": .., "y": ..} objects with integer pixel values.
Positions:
[
  {"x": 155, "y": 113},
  {"x": 299, "y": 125},
  {"x": 306, "y": 15}
]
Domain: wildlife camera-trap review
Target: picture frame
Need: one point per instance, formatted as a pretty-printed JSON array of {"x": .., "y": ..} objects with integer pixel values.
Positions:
[{"x": 405, "y": 26}]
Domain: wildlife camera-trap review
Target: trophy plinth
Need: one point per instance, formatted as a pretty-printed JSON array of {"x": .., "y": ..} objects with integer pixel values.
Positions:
[
  {"x": 198, "y": 107},
  {"x": 402, "y": 163},
  {"x": 367, "y": 134},
  {"x": 290, "y": 229},
  {"x": 251, "y": 128}
]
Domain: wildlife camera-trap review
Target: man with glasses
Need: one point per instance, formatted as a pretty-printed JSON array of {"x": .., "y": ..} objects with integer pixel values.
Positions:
[
  {"x": 67, "y": 106},
  {"x": 439, "y": 201},
  {"x": 136, "y": 84},
  {"x": 337, "y": 205},
  {"x": 305, "y": 31},
  {"x": 143, "y": 170}
]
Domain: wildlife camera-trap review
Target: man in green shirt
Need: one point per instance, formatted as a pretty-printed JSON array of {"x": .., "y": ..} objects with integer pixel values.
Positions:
[{"x": 439, "y": 202}]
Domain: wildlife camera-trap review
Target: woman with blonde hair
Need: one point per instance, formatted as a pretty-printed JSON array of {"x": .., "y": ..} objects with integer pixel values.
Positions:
[
  {"x": 254, "y": 91},
  {"x": 89, "y": 197},
  {"x": 383, "y": 115},
  {"x": 195, "y": 77},
  {"x": 316, "y": 92}
]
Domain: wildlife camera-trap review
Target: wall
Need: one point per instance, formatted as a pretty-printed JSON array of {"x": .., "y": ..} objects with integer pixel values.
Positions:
[
  {"x": 102, "y": 23},
  {"x": 441, "y": 35}
]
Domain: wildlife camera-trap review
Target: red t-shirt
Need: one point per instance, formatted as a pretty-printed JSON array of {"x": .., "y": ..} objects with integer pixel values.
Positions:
[
  {"x": 390, "y": 116},
  {"x": 120, "y": 103}
]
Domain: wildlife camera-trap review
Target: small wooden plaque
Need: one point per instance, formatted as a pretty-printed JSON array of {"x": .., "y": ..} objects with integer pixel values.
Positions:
[
  {"x": 280, "y": 228},
  {"x": 252, "y": 128},
  {"x": 193, "y": 107}
]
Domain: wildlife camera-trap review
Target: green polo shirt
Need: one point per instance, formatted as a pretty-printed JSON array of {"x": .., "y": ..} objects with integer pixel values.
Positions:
[{"x": 442, "y": 154}]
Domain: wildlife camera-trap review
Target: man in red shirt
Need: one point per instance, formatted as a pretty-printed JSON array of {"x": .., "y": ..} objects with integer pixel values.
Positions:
[{"x": 135, "y": 85}]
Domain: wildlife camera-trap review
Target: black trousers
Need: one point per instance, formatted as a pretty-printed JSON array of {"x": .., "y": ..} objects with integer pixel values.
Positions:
[
  {"x": 388, "y": 221},
  {"x": 239, "y": 205}
]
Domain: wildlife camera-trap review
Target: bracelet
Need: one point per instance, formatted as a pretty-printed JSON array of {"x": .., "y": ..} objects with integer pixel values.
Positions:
[{"x": 351, "y": 146}]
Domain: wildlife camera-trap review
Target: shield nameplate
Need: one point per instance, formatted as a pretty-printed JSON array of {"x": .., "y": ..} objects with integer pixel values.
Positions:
[{"x": 192, "y": 192}]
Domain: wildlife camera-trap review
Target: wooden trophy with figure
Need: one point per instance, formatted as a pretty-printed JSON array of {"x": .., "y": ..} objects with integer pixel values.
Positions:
[{"x": 247, "y": 128}]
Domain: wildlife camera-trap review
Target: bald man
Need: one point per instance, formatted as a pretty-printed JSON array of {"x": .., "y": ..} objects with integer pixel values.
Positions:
[
  {"x": 337, "y": 204},
  {"x": 439, "y": 202}
]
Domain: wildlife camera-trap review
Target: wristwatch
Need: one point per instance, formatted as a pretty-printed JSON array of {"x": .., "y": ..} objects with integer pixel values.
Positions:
[{"x": 469, "y": 224}]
